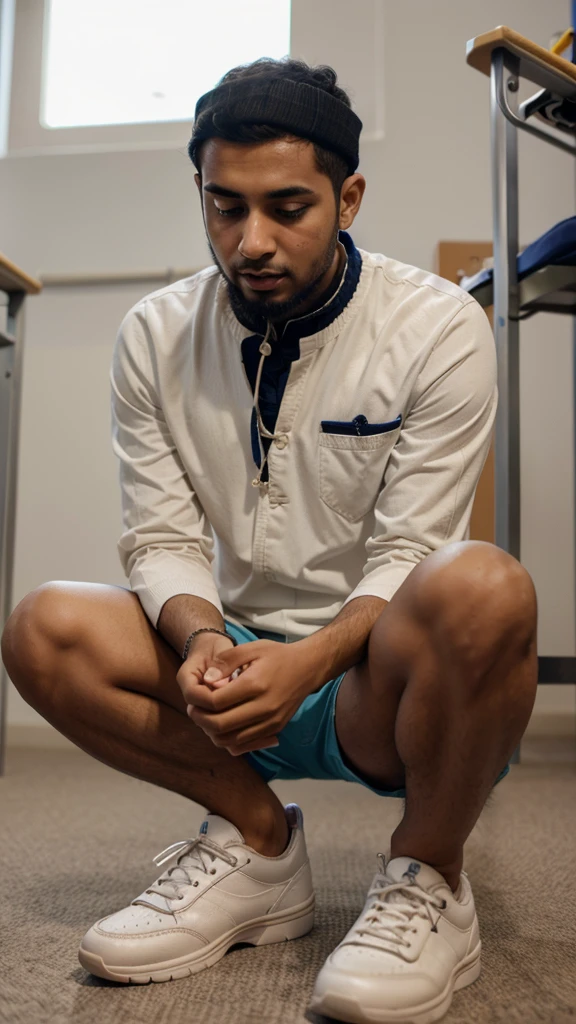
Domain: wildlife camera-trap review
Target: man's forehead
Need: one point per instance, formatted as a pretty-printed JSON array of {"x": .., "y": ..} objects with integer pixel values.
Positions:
[{"x": 261, "y": 167}]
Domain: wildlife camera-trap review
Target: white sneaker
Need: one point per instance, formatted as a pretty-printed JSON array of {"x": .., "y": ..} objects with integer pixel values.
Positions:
[
  {"x": 219, "y": 892},
  {"x": 413, "y": 945}
]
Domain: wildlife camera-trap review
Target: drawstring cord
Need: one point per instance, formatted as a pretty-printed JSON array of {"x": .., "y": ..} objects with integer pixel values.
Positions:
[{"x": 265, "y": 349}]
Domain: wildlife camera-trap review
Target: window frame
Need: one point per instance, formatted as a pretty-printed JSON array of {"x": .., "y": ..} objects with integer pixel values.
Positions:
[{"x": 25, "y": 135}]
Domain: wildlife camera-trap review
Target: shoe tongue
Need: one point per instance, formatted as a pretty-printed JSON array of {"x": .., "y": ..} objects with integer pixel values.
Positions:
[
  {"x": 220, "y": 830},
  {"x": 410, "y": 870}
]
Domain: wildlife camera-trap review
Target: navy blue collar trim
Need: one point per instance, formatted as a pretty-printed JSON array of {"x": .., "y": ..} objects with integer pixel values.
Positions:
[{"x": 318, "y": 320}]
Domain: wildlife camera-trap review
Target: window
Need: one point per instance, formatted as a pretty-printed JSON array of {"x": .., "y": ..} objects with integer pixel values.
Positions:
[
  {"x": 111, "y": 62},
  {"x": 97, "y": 75}
]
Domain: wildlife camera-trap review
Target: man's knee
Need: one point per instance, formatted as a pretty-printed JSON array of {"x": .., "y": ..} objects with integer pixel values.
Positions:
[
  {"x": 465, "y": 603},
  {"x": 476, "y": 597},
  {"x": 41, "y": 626}
]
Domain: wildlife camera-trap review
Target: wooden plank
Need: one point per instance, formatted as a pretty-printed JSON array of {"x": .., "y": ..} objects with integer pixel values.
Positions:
[
  {"x": 12, "y": 279},
  {"x": 453, "y": 261},
  {"x": 479, "y": 56}
]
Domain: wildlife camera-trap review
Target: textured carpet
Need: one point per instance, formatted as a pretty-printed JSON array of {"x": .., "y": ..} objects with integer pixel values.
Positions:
[{"x": 77, "y": 843}]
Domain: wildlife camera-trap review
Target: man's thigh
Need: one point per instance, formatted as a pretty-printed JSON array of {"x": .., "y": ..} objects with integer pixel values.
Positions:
[{"x": 94, "y": 626}]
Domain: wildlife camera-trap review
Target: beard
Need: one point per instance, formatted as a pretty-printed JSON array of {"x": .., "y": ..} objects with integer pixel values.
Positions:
[{"x": 253, "y": 311}]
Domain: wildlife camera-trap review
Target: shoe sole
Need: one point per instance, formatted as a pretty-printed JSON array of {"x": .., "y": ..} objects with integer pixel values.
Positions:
[
  {"x": 290, "y": 924},
  {"x": 346, "y": 1008}
]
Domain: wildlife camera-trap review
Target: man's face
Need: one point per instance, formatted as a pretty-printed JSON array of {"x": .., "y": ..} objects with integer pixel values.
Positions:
[{"x": 272, "y": 224}]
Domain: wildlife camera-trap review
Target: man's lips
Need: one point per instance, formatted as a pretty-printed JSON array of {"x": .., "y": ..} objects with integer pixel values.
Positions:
[{"x": 262, "y": 281}]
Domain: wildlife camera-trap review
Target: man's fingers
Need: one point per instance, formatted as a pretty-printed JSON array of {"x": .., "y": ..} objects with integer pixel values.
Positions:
[
  {"x": 253, "y": 733},
  {"x": 212, "y": 698},
  {"x": 217, "y": 683},
  {"x": 229, "y": 723},
  {"x": 246, "y": 748}
]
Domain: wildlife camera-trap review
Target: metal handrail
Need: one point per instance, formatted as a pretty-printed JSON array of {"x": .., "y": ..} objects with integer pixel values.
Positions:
[
  {"x": 167, "y": 276},
  {"x": 512, "y": 84}
]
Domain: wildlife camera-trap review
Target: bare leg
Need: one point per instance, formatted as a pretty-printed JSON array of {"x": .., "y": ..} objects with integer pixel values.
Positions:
[
  {"x": 444, "y": 695},
  {"x": 87, "y": 659}
]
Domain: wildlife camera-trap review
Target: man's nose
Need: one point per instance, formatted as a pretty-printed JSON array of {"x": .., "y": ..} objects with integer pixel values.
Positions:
[{"x": 257, "y": 239}]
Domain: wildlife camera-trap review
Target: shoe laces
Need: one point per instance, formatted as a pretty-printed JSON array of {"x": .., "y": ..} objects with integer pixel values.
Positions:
[
  {"x": 392, "y": 912},
  {"x": 192, "y": 859}
]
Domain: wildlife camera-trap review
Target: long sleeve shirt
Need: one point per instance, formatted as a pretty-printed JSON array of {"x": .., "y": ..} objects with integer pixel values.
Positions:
[{"x": 380, "y": 407}]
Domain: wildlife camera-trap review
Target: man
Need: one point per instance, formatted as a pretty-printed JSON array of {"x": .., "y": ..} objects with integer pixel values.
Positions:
[{"x": 300, "y": 430}]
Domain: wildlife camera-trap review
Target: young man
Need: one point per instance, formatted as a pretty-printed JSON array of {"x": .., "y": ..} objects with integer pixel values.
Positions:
[{"x": 300, "y": 430}]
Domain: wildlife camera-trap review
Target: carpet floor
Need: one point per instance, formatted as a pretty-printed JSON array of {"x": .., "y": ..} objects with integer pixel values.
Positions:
[{"x": 78, "y": 840}]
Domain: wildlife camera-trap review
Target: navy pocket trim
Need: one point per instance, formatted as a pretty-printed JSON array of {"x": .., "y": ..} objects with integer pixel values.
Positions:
[{"x": 359, "y": 426}]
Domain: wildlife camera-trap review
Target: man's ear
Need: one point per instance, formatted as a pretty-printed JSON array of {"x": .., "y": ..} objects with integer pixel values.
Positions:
[
  {"x": 198, "y": 180},
  {"x": 350, "y": 199}
]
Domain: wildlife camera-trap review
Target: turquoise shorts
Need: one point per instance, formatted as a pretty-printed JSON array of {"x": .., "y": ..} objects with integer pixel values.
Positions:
[{"x": 308, "y": 747}]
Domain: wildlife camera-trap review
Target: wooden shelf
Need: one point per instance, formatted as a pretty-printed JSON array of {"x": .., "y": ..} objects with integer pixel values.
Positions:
[
  {"x": 536, "y": 64},
  {"x": 12, "y": 279}
]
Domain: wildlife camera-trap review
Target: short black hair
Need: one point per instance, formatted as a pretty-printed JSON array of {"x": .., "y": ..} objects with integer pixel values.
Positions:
[{"x": 267, "y": 69}]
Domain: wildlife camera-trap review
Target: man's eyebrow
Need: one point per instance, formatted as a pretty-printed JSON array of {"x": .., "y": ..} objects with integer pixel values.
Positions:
[{"x": 279, "y": 193}]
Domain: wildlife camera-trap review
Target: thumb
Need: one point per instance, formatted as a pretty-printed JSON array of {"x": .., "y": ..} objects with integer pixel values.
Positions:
[
  {"x": 225, "y": 662},
  {"x": 212, "y": 674}
]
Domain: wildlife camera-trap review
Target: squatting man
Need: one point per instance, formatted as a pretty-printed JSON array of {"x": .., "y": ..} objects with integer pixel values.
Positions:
[{"x": 300, "y": 430}]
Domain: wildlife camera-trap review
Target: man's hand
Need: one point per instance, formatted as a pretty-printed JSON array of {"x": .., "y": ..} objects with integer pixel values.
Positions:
[
  {"x": 247, "y": 712},
  {"x": 206, "y": 647}
]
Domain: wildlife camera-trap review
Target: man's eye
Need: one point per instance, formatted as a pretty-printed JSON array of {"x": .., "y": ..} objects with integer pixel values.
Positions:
[
  {"x": 232, "y": 211},
  {"x": 293, "y": 213}
]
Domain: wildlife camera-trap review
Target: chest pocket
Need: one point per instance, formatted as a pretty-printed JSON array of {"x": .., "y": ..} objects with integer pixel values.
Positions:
[{"x": 352, "y": 457}]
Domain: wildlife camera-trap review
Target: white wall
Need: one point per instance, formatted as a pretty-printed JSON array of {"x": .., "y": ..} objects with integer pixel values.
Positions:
[{"x": 428, "y": 179}]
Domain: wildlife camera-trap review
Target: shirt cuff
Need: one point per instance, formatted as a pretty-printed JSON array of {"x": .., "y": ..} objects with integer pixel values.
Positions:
[
  {"x": 153, "y": 598},
  {"x": 382, "y": 583}
]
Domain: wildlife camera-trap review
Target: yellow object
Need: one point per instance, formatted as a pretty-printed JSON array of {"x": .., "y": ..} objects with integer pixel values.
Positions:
[{"x": 564, "y": 41}]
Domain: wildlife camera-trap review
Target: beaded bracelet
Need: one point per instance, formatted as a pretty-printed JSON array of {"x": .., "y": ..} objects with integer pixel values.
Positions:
[{"x": 205, "y": 629}]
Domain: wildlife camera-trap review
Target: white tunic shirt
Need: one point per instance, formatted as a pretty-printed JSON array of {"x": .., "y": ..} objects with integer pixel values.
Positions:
[{"x": 383, "y": 429}]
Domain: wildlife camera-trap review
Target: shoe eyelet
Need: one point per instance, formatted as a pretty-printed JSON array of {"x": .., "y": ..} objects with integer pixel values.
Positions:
[
  {"x": 248, "y": 861},
  {"x": 181, "y": 897},
  {"x": 444, "y": 905},
  {"x": 212, "y": 871},
  {"x": 196, "y": 883}
]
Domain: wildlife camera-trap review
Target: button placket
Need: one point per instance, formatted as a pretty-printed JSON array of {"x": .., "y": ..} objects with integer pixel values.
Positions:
[{"x": 289, "y": 405}]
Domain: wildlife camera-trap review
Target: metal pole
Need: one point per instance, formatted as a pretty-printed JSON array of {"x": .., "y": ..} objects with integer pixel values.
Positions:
[
  {"x": 11, "y": 358},
  {"x": 505, "y": 211},
  {"x": 506, "y": 330}
]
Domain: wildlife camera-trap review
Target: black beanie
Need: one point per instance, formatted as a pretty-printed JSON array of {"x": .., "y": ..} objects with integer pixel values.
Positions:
[{"x": 301, "y": 109}]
